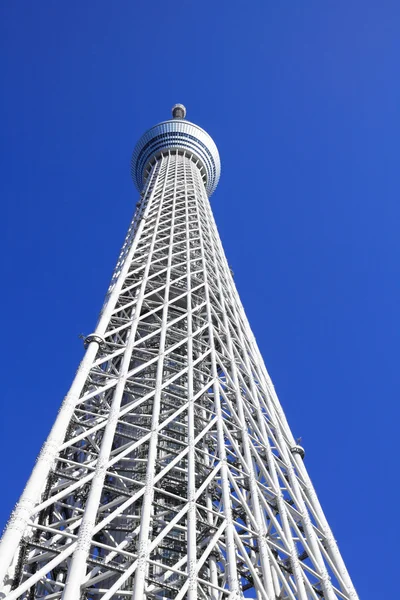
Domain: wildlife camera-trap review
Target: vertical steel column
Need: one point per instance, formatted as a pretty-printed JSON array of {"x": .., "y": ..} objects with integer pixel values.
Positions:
[
  {"x": 212, "y": 561},
  {"x": 191, "y": 484},
  {"x": 144, "y": 535}
]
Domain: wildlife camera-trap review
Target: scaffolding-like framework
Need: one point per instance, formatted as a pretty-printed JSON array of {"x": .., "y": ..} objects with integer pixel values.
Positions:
[{"x": 171, "y": 472}]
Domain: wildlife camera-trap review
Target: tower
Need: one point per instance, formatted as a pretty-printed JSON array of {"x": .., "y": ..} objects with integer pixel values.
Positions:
[{"x": 170, "y": 471}]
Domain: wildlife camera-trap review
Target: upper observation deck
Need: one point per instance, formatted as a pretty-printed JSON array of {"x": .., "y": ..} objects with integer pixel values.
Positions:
[{"x": 177, "y": 134}]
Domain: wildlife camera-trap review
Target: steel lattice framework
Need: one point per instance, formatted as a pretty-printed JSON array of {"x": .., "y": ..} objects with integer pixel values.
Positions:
[{"x": 171, "y": 471}]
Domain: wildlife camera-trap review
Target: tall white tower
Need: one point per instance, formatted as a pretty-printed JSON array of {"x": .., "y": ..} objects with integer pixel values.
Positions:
[{"x": 170, "y": 471}]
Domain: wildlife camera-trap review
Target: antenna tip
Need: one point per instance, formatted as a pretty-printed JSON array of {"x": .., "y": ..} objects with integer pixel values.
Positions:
[{"x": 178, "y": 111}]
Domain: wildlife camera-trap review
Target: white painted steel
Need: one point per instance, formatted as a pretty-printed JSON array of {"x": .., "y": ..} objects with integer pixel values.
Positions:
[{"x": 171, "y": 471}]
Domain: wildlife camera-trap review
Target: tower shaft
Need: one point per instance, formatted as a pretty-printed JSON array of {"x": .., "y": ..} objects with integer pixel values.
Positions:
[{"x": 171, "y": 471}]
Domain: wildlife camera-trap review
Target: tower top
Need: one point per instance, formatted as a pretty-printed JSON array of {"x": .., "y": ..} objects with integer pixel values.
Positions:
[
  {"x": 178, "y": 111},
  {"x": 182, "y": 136}
]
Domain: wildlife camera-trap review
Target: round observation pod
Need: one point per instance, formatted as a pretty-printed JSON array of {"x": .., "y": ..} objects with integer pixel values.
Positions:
[{"x": 183, "y": 136}]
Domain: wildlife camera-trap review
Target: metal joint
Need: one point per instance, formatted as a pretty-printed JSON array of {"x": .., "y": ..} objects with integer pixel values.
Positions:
[
  {"x": 298, "y": 450},
  {"x": 93, "y": 337}
]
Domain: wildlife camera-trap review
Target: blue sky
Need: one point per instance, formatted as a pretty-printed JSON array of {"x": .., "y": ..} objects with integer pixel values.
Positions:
[{"x": 302, "y": 99}]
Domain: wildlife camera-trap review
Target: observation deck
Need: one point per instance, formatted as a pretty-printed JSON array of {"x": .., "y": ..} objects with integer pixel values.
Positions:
[{"x": 177, "y": 134}]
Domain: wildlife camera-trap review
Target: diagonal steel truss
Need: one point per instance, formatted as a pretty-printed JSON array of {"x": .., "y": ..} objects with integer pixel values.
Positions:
[{"x": 170, "y": 471}]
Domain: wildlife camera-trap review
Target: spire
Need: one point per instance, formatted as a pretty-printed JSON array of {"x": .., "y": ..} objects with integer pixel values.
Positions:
[{"x": 178, "y": 111}]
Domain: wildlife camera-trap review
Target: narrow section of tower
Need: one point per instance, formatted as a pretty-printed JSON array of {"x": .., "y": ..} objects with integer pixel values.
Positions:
[{"x": 171, "y": 471}]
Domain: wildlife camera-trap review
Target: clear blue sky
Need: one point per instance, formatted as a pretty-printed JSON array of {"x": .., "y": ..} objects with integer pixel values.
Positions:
[{"x": 303, "y": 101}]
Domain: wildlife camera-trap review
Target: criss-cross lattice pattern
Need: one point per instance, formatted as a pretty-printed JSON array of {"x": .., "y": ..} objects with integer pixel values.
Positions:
[{"x": 171, "y": 471}]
